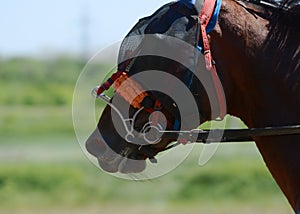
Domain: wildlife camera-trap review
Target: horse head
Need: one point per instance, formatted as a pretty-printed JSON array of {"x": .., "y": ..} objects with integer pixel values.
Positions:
[
  {"x": 150, "y": 100},
  {"x": 167, "y": 88}
]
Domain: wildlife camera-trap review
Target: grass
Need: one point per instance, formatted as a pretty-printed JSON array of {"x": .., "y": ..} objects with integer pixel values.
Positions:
[
  {"x": 238, "y": 181},
  {"x": 38, "y": 82},
  {"x": 43, "y": 170},
  {"x": 68, "y": 180},
  {"x": 33, "y": 121}
]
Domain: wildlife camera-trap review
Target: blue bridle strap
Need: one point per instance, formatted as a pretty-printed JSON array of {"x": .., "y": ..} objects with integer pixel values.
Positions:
[
  {"x": 212, "y": 24},
  {"x": 213, "y": 21}
]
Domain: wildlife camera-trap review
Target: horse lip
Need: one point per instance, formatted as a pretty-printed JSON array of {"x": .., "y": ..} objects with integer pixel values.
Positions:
[
  {"x": 106, "y": 159},
  {"x": 107, "y": 167},
  {"x": 96, "y": 147},
  {"x": 112, "y": 163},
  {"x": 110, "y": 166},
  {"x": 109, "y": 160}
]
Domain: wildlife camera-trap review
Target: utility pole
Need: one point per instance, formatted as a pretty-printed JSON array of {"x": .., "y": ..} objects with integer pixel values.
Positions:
[{"x": 84, "y": 31}]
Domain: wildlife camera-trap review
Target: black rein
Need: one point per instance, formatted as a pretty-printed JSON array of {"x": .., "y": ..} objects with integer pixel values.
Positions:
[{"x": 230, "y": 135}]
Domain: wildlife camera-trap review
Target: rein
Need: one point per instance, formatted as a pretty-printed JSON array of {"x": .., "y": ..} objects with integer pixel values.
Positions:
[
  {"x": 228, "y": 135},
  {"x": 231, "y": 135}
]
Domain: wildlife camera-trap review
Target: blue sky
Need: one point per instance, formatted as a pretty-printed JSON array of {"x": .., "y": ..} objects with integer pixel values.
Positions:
[{"x": 40, "y": 27}]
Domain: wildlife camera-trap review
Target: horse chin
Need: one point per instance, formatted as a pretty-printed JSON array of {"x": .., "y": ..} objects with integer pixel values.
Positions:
[
  {"x": 109, "y": 160},
  {"x": 128, "y": 166},
  {"x": 113, "y": 163}
]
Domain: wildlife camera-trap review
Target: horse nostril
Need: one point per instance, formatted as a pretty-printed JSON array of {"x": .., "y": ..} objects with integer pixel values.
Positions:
[{"x": 95, "y": 144}]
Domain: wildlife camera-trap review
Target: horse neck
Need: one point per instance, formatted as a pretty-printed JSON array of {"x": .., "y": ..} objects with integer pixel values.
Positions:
[
  {"x": 261, "y": 86},
  {"x": 254, "y": 92}
]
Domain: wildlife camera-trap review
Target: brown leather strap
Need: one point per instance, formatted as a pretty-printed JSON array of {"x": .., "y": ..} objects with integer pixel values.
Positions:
[{"x": 205, "y": 16}]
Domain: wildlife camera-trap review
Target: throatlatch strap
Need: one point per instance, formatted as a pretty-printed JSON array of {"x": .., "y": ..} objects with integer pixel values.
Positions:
[{"x": 105, "y": 86}]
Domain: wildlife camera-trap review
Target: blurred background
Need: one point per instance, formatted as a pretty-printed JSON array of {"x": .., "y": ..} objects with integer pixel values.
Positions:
[{"x": 44, "y": 45}]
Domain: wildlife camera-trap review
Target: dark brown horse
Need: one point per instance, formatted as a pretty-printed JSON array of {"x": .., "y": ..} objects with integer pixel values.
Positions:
[{"x": 257, "y": 52}]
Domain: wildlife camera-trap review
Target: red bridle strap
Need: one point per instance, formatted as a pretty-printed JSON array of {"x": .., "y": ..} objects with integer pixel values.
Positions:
[
  {"x": 205, "y": 16},
  {"x": 105, "y": 86}
]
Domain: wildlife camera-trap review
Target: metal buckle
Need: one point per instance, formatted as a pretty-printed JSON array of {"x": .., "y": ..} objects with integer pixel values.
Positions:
[{"x": 128, "y": 123}]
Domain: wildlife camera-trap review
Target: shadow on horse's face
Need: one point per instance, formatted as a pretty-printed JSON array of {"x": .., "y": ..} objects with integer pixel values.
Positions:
[{"x": 113, "y": 152}]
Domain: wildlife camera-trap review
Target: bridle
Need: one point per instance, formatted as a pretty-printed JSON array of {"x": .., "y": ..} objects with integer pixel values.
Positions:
[
  {"x": 199, "y": 136},
  {"x": 144, "y": 140}
]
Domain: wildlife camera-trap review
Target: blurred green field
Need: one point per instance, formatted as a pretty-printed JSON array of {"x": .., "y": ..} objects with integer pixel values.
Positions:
[
  {"x": 43, "y": 170},
  {"x": 57, "y": 177}
]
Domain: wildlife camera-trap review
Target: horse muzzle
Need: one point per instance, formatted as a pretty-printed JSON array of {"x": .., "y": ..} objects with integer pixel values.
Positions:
[{"x": 111, "y": 161}]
